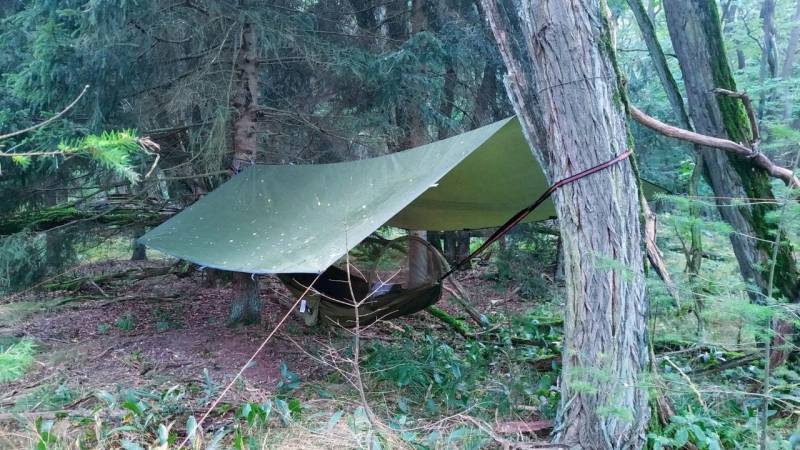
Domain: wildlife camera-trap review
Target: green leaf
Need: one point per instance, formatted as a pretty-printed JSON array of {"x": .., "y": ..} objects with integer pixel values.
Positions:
[
  {"x": 333, "y": 421},
  {"x": 21, "y": 160},
  {"x": 163, "y": 435},
  {"x": 136, "y": 407},
  {"x": 214, "y": 444},
  {"x": 130, "y": 445},
  {"x": 295, "y": 407},
  {"x": 191, "y": 429},
  {"x": 681, "y": 437},
  {"x": 283, "y": 410}
]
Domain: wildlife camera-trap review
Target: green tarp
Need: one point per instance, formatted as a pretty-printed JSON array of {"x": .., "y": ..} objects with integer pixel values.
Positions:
[{"x": 303, "y": 218}]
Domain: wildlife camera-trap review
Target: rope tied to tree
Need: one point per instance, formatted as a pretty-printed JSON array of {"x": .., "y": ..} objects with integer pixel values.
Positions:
[{"x": 522, "y": 214}]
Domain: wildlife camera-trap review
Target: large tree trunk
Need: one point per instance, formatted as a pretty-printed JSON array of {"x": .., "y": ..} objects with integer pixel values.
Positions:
[
  {"x": 245, "y": 304},
  {"x": 572, "y": 106},
  {"x": 694, "y": 27}
]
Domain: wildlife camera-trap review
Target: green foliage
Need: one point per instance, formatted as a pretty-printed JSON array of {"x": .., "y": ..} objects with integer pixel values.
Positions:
[
  {"x": 111, "y": 149},
  {"x": 15, "y": 360},
  {"x": 126, "y": 322},
  {"x": 435, "y": 378},
  {"x": 526, "y": 260},
  {"x": 686, "y": 429}
]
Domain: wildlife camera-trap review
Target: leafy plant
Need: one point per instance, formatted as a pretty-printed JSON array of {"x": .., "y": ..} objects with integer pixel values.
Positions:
[
  {"x": 15, "y": 360},
  {"x": 689, "y": 428},
  {"x": 126, "y": 322}
]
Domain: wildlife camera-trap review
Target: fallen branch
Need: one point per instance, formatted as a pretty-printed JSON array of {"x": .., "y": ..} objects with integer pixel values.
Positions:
[
  {"x": 130, "y": 274},
  {"x": 730, "y": 364},
  {"x": 522, "y": 426},
  {"x": 751, "y": 115},
  {"x": 654, "y": 254},
  {"x": 458, "y": 325},
  {"x": 758, "y": 159},
  {"x": 458, "y": 294}
]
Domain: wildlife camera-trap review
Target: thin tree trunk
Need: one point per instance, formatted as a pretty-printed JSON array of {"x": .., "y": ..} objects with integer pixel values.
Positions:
[
  {"x": 728, "y": 18},
  {"x": 788, "y": 63},
  {"x": 572, "y": 107},
  {"x": 417, "y": 261},
  {"x": 246, "y": 303},
  {"x": 139, "y": 252},
  {"x": 485, "y": 111},
  {"x": 670, "y": 86},
  {"x": 769, "y": 54},
  {"x": 697, "y": 38}
]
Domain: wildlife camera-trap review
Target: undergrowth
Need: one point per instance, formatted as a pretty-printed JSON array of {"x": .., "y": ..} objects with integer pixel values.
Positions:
[{"x": 15, "y": 359}]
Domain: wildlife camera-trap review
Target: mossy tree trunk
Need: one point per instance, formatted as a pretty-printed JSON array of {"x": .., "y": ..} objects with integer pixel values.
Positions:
[
  {"x": 694, "y": 27},
  {"x": 564, "y": 85}
]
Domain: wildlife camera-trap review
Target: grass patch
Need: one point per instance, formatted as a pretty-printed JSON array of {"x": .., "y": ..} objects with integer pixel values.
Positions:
[{"x": 15, "y": 360}]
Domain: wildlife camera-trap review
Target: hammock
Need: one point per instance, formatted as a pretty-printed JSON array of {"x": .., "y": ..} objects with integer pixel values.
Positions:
[
  {"x": 399, "y": 277},
  {"x": 342, "y": 297}
]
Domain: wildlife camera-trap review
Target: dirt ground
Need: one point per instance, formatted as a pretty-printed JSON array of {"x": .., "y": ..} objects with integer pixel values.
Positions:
[{"x": 167, "y": 329}]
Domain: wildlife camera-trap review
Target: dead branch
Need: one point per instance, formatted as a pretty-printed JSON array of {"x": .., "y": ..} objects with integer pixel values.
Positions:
[
  {"x": 41, "y": 124},
  {"x": 654, "y": 254},
  {"x": 458, "y": 295},
  {"x": 751, "y": 115},
  {"x": 758, "y": 159}
]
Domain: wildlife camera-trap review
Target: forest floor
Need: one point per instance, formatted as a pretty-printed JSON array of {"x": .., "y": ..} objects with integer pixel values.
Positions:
[
  {"x": 150, "y": 335},
  {"x": 136, "y": 361}
]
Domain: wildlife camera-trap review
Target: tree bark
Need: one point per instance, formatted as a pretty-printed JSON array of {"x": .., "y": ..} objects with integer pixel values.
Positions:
[
  {"x": 572, "y": 107},
  {"x": 694, "y": 27},
  {"x": 245, "y": 101},
  {"x": 246, "y": 303}
]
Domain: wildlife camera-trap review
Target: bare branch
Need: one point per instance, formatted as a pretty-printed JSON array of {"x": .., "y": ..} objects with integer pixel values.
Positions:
[
  {"x": 41, "y": 124},
  {"x": 758, "y": 159},
  {"x": 748, "y": 106}
]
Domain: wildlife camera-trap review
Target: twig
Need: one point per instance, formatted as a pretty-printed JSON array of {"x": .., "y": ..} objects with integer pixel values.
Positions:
[
  {"x": 691, "y": 384},
  {"x": 41, "y": 124}
]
